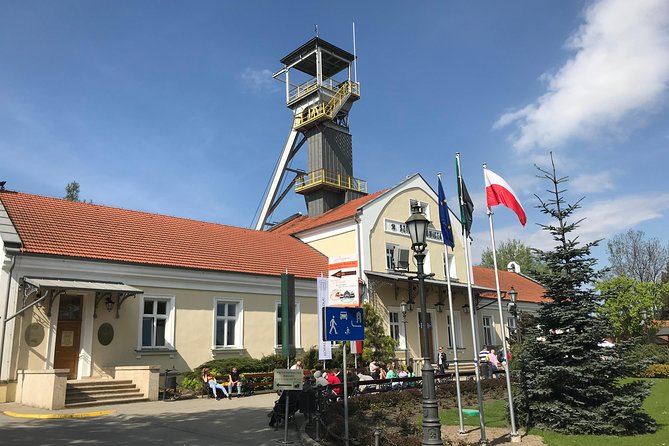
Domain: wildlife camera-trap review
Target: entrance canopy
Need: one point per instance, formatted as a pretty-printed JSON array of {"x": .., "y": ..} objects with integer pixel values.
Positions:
[
  {"x": 47, "y": 290},
  {"x": 62, "y": 284}
]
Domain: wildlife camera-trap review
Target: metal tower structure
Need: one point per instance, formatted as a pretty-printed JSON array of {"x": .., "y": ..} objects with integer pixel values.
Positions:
[{"x": 320, "y": 106}]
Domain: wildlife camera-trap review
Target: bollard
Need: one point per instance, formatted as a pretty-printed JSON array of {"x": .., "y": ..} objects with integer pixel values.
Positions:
[{"x": 377, "y": 437}]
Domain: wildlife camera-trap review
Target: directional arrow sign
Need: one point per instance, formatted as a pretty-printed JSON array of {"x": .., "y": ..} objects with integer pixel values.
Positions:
[{"x": 341, "y": 273}]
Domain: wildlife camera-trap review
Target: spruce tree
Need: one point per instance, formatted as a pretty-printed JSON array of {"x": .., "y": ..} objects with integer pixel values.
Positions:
[{"x": 568, "y": 382}]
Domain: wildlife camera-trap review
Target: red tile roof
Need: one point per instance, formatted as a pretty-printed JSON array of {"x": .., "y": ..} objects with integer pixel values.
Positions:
[
  {"x": 528, "y": 290},
  {"x": 304, "y": 222},
  {"x": 83, "y": 230}
]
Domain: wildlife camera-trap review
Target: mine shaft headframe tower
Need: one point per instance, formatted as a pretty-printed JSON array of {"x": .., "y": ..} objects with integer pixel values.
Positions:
[{"x": 320, "y": 106}]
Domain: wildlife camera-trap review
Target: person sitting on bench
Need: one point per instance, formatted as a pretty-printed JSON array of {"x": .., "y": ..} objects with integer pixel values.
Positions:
[
  {"x": 234, "y": 380},
  {"x": 210, "y": 379}
]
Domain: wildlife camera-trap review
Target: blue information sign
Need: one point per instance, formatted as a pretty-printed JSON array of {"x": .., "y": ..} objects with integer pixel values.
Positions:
[{"x": 344, "y": 324}]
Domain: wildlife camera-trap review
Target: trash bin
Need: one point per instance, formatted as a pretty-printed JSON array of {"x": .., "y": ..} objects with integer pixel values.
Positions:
[{"x": 170, "y": 382}]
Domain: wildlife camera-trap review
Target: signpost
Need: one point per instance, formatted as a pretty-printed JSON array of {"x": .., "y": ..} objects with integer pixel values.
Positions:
[
  {"x": 287, "y": 379},
  {"x": 344, "y": 324}
]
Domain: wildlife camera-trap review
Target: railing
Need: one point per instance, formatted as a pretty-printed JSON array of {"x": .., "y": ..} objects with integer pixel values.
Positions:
[
  {"x": 329, "y": 109},
  {"x": 322, "y": 176},
  {"x": 304, "y": 89}
]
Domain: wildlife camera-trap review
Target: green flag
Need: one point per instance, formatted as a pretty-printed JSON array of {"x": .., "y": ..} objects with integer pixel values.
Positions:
[{"x": 466, "y": 203}]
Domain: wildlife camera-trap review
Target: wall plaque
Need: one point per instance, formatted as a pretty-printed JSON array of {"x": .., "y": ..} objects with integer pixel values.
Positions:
[
  {"x": 34, "y": 334},
  {"x": 105, "y": 333}
]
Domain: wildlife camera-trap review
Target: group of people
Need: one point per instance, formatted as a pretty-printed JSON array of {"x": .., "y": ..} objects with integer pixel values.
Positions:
[
  {"x": 233, "y": 379},
  {"x": 491, "y": 362}
]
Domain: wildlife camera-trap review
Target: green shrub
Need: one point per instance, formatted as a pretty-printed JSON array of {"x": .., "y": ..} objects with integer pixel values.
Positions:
[
  {"x": 656, "y": 371},
  {"x": 641, "y": 356}
]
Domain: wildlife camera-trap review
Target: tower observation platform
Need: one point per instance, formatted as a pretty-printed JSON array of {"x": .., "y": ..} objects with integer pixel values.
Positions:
[{"x": 320, "y": 90}]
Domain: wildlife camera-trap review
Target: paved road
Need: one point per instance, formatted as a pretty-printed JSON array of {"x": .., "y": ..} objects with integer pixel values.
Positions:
[{"x": 199, "y": 421}]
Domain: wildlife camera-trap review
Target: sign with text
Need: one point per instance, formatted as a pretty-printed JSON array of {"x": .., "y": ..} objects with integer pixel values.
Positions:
[
  {"x": 344, "y": 324},
  {"x": 343, "y": 282},
  {"x": 324, "y": 347},
  {"x": 287, "y": 379}
]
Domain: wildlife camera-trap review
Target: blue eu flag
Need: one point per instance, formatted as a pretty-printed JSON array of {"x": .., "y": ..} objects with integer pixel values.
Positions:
[{"x": 445, "y": 218}]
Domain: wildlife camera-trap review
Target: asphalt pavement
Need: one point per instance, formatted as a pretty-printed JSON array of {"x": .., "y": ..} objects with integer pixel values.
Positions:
[{"x": 198, "y": 421}]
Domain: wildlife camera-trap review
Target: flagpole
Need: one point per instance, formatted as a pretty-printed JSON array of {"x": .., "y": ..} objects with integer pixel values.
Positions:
[
  {"x": 453, "y": 340},
  {"x": 472, "y": 309},
  {"x": 514, "y": 434}
]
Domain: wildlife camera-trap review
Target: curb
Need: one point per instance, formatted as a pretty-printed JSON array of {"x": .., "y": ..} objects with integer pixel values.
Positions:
[{"x": 56, "y": 416}]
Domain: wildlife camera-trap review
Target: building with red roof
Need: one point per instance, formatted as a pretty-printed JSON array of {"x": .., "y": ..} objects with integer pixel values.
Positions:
[{"x": 91, "y": 289}]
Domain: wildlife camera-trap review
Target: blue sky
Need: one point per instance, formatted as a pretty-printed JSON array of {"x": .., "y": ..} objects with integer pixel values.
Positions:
[{"x": 169, "y": 107}]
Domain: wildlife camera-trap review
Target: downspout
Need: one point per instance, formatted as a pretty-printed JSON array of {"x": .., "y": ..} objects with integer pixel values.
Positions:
[
  {"x": 12, "y": 252},
  {"x": 360, "y": 256}
]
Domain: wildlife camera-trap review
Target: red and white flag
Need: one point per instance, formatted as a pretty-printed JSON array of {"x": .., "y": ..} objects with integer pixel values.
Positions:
[{"x": 498, "y": 191}]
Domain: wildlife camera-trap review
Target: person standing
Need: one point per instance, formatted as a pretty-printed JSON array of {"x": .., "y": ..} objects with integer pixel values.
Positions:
[
  {"x": 484, "y": 361},
  {"x": 442, "y": 361}
]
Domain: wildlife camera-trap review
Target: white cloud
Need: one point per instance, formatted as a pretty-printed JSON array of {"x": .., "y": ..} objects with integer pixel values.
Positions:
[
  {"x": 594, "y": 182},
  {"x": 603, "y": 219},
  {"x": 620, "y": 69},
  {"x": 259, "y": 80}
]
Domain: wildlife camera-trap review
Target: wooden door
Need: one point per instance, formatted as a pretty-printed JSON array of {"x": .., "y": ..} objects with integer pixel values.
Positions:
[
  {"x": 68, "y": 335},
  {"x": 430, "y": 342}
]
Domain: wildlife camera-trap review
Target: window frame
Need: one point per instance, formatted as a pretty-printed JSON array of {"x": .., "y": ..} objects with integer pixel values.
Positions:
[
  {"x": 449, "y": 262},
  {"x": 402, "y": 337},
  {"x": 491, "y": 328},
  {"x": 239, "y": 323},
  {"x": 297, "y": 328},
  {"x": 459, "y": 341},
  {"x": 169, "y": 322},
  {"x": 390, "y": 256}
]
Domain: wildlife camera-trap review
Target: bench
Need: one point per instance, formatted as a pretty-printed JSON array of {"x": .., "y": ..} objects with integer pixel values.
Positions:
[{"x": 466, "y": 369}]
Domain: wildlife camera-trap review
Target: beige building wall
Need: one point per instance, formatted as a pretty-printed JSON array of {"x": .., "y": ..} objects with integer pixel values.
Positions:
[{"x": 339, "y": 245}]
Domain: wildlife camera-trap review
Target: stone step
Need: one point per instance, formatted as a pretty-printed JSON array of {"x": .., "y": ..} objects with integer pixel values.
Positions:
[
  {"x": 125, "y": 400},
  {"x": 97, "y": 383},
  {"x": 101, "y": 392},
  {"x": 106, "y": 388}
]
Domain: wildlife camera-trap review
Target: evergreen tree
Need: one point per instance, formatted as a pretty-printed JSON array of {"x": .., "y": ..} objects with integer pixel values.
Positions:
[
  {"x": 569, "y": 383},
  {"x": 377, "y": 346},
  {"x": 72, "y": 191}
]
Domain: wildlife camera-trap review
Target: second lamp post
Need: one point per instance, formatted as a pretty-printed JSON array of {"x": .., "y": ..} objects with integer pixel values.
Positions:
[{"x": 417, "y": 225}]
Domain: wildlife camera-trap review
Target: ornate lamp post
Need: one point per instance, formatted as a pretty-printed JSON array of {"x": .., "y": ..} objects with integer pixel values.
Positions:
[
  {"x": 417, "y": 225},
  {"x": 403, "y": 309}
]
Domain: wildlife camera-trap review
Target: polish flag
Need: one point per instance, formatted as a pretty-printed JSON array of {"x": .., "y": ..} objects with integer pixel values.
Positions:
[{"x": 498, "y": 191}]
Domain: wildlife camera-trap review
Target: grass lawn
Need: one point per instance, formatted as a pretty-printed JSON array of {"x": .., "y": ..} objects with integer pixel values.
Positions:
[{"x": 656, "y": 405}]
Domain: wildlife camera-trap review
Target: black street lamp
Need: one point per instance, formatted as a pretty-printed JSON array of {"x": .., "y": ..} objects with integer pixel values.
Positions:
[
  {"x": 417, "y": 225},
  {"x": 403, "y": 308}
]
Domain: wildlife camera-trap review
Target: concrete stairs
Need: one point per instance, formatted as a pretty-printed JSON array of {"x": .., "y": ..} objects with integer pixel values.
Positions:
[{"x": 98, "y": 392}]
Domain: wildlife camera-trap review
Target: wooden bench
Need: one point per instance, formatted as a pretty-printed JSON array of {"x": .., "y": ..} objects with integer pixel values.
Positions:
[{"x": 466, "y": 369}]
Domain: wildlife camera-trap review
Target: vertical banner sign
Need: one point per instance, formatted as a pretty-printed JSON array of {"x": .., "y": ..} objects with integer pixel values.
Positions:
[
  {"x": 343, "y": 277},
  {"x": 288, "y": 315},
  {"x": 324, "y": 347}
]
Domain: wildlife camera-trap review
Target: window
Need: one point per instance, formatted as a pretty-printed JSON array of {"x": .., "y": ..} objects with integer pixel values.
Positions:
[
  {"x": 228, "y": 326},
  {"x": 157, "y": 322},
  {"x": 391, "y": 252},
  {"x": 449, "y": 262},
  {"x": 458, "y": 330},
  {"x": 397, "y": 327},
  {"x": 423, "y": 205},
  {"x": 488, "y": 331},
  {"x": 296, "y": 327},
  {"x": 511, "y": 325},
  {"x": 396, "y": 257}
]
